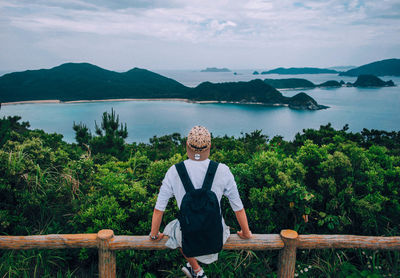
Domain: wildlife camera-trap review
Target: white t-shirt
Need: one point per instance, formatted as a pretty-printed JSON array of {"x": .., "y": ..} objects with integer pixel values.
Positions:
[{"x": 223, "y": 184}]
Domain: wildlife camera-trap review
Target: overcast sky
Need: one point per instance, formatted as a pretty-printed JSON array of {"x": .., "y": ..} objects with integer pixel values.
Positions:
[{"x": 186, "y": 34}]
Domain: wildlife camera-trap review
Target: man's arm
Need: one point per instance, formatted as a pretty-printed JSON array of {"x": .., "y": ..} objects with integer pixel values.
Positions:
[
  {"x": 155, "y": 224},
  {"x": 241, "y": 217}
]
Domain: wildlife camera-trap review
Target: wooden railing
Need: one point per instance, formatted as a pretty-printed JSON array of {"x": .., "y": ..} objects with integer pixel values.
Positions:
[{"x": 287, "y": 242}]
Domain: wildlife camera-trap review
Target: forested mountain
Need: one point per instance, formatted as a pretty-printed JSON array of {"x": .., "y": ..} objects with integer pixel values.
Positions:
[
  {"x": 84, "y": 81},
  {"x": 88, "y": 82},
  {"x": 380, "y": 68}
]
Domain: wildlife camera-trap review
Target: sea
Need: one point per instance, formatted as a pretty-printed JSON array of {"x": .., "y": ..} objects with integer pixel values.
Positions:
[{"x": 371, "y": 108}]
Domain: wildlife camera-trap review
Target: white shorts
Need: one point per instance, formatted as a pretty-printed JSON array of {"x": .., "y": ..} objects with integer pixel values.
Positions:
[{"x": 173, "y": 230}]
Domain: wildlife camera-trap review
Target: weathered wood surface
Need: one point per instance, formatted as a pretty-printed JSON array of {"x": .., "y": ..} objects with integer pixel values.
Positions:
[
  {"x": 258, "y": 242},
  {"x": 137, "y": 242},
  {"x": 287, "y": 255},
  {"x": 53, "y": 241},
  {"x": 107, "y": 259},
  {"x": 347, "y": 241}
]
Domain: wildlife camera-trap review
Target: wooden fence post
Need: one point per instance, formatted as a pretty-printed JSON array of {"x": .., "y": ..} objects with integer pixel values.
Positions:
[
  {"x": 107, "y": 264},
  {"x": 287, "y": 255}
]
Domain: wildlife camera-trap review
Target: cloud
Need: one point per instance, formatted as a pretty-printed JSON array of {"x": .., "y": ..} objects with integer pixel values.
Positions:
[{"x": 234, "y": 25}]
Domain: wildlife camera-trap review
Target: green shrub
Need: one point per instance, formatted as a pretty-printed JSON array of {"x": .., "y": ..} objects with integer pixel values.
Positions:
[{"x": 326, "y": 181}]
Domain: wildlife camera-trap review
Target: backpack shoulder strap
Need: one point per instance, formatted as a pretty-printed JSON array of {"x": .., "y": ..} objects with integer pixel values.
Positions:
[
  {"x": 209, "y": 178},
  {"x": 183, "y": 174}
]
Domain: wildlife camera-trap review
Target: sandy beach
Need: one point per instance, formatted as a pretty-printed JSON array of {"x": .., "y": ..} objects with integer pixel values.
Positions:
[
  {"x": 31, "y": 101},
  {"x": 96, "y": 100},
  {"x": 139, "y": 99}
]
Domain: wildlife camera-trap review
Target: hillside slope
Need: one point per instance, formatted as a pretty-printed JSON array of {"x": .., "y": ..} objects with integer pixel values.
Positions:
[
  {"x": 83, "y": 81},
  {"x": 380, "y": 68}
]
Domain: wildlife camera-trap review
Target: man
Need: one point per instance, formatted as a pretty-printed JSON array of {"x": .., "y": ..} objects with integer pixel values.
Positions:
[{"x": 198, "y": 150}]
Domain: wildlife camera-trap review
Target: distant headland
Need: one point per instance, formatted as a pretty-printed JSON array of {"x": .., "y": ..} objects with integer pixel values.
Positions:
[
  {"x": 388, "y": 67},
  {"x": 83, "y": 81},
  {"x": 216, "y": 70},
  {"x": 299, "y": 71}
]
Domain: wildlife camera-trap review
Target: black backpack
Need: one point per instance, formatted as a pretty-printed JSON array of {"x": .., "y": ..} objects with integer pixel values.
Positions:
[{"x": 200, "y": 215}]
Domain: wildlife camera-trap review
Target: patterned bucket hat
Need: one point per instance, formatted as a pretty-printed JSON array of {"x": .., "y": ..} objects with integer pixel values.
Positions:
[{"x": 199, "y": 139}]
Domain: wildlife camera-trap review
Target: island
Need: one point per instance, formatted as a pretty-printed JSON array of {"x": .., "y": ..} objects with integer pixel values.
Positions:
[
  {"x": 256, "y": 72},
  {"x": 216, "y": 70},
  {"x": 299, "y": 71},
  {"x": 388, "y": 67},
  {"x": 368, "y": 80},
  {"x": 87, "y": 82},
  {"x": 252, "y": 92},
  {"x": 302, "y": 101},
  {"x": 299, "y": 83}
]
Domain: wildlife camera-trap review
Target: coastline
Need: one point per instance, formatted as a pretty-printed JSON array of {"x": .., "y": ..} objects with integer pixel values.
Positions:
[
  {"x": 137, "y": 99},
  {"x": 93, "y": 100},
  {"x": 31, "y": 102}
]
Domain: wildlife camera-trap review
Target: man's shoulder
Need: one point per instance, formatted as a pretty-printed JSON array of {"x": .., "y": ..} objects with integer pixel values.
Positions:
[
  {"x": 171, "y": 171},
  {"x": 222, "y": 167}
]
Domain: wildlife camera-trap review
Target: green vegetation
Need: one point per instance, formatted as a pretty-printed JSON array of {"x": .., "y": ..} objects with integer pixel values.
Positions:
[
  {"x": 303, "y": 101},
  {"x": 84, "y": 81},
  {"x": 289, "y": 83},
  {"x": 299, "y": 71},
  {"x": 255, "y": 91},
  {"x": 88, "y": 82},
  {"x": 325, "y": 181},
  {"x": 252, "y": 91},
  {"x": 380, "y": 68}
]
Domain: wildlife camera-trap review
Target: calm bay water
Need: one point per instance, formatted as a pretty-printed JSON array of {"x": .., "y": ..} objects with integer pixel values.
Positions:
[{"x": 360, "y": 108}]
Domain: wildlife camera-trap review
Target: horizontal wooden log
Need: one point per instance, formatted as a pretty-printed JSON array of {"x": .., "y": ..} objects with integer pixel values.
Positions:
[
  {"x": 258, "y": 242},
  {"x": 137, "y": 242},
  {"x": 53, "y": 241},
  {"x": 347, "y": 241}
]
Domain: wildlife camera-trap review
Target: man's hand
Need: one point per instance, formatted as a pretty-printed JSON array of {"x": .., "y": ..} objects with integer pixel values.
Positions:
[
  {"x": 155, "y": 225},
  {"x": 160, "y": 236},
  {"x": 243, "y": 235}
]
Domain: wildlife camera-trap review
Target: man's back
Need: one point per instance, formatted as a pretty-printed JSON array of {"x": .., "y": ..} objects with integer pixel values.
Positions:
[{"x": 224, "y": 184}]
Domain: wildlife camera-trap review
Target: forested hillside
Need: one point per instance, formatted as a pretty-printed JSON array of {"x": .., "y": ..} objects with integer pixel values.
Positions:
[
  {"x": 325, "y": 181},
  {"x": 83, "y": 81}
]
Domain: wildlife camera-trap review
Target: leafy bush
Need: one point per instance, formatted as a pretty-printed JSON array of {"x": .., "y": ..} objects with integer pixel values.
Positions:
[{"x": 325, "y": 181}]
